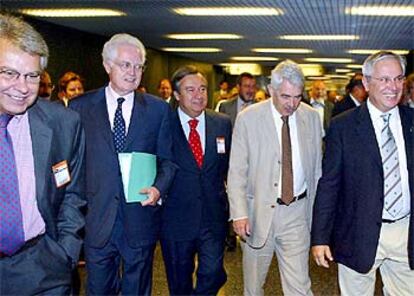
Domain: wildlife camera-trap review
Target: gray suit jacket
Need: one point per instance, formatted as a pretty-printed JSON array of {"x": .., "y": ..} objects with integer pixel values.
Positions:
[
  {"x": 230, "y": 108},
  {"x": 255, "y": 164}
]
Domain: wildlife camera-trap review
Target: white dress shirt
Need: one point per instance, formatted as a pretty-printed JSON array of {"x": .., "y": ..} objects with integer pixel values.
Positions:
[{"x": 396, "y": 129}]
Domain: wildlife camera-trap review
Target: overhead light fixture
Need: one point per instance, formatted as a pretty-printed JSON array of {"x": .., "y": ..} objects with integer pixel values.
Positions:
[
  {"x": 72, "y": 12},
  {"x": 329, "y": 60},
  {"x": 371, "y": 51},
  {"x": 350, "y": 74},
  {"x": 202, "y": 36},
  {"x": 191, "y": 49},
  {"x": 227, "y": 11},
  {"x": 333, "y": 76},
  {"x": 381, "y": 10},
  {"x": 339, "y": 70},
  {"x": 320, "y": 37},
  {"x": 311, "y": 69},
  {"x": 238, "y": 68},
  {"x": 354, "y": 66},
  {"x": 317, "y": 78},
  {"x": 253, "y": 59},
  {"x": 283, "y": 50}
]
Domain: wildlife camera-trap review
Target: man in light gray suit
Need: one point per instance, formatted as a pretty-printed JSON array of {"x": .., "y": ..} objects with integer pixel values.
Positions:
[{"x": 271, "y": 193}]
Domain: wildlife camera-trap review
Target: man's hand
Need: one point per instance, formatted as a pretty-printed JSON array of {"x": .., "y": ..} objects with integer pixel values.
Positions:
[
  {"x": 153, "y": 196},
  {"x": 322, "y": 255},
  {"x": 242, "y": 228}
]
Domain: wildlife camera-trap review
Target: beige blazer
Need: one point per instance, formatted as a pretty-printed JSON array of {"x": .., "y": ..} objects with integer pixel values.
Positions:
[{"x": 255, "y": 165}]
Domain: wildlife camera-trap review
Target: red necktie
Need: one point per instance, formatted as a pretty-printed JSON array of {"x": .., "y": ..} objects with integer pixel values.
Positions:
[{"x": 195, "y": 142}]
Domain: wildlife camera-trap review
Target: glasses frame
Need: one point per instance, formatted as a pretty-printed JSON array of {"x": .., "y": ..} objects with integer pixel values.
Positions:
[{"x": 13, "y": 76}]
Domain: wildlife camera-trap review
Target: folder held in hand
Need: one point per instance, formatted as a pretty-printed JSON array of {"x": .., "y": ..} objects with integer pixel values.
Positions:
[{"x": 138, "y": 171}]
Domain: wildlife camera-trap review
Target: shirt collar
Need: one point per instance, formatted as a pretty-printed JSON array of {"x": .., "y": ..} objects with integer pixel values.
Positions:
[
  {"x": 375, "y": 113},
  {"x": 184, "y": 118},
  {"x": 113, "y": 94}
]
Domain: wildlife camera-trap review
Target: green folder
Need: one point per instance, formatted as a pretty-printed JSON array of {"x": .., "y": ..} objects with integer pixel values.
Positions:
[{"x": 138, "y": 171}]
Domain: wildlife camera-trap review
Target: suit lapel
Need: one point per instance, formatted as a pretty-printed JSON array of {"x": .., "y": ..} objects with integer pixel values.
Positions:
[
  {"x": 210, "y": 141},
  {"x": 305, "y": 149},
  {"x": 41, "y": 135},
  {"x": 366, "y": 135},
  {"x": 137, "y": 121},
  {"x": 408, "y": 129},
  {"x": 99, "y": 113}
]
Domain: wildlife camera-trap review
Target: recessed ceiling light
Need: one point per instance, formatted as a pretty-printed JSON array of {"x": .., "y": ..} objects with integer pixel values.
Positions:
[
  {"x": 227, "y": 11},
  {"x": 354, "y": 66},
  {"x": 202, "y": 36},
  {"x": 371, "y": 51},
  {"x": 283, "y": 50},
  {"x": 329, "y": 60},
  {"x": 320, "y": 37},
  {"x": 72, "y": 12},
  {"x": 381, "y": 10},
  {"x": 339, "y": 70},
  {"x": 317, "y": 78},
  {"x": 350, "y": 74},
  {"x": 252, "y": 59},
  {"x": 238, "y": 68},
  {"x": 191, "y": 49},
  {"x": 333, "y": 76}
]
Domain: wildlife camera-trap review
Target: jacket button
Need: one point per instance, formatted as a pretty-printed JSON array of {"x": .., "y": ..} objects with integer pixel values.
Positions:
[
  {"x": 272, "y": 206},
  {"x": 275, "y": 184}
]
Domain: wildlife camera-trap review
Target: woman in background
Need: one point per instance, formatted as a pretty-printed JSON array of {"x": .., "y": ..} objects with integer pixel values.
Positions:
[{"x": 70, "y": 86}]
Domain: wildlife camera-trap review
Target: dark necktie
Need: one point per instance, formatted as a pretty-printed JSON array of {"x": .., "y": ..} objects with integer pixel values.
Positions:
[
  {"x": 287, "y": 171},
  {"x": 119, "y": 132},
  {"x": 11, "y": 221},
  {"x": 195, "y": 142},
  {"x": 391, "y": 167}
]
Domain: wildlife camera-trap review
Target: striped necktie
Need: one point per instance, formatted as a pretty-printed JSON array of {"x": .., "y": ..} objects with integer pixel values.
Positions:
[{"x": 393, "y": 201}]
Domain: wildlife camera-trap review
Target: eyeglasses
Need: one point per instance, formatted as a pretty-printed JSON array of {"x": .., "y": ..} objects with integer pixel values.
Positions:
[
  {"x": 12, "y": 76},
  {"x": 127, "y": 66},
  {"x": 385, "y": 80}
]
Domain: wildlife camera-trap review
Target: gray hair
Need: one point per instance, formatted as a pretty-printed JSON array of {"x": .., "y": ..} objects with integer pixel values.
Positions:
[
  {"x": 24, "y": 36},
  {"x": 109, "y": 51},
  {"x": 370, "y": 62},
  {"x": 287, "y": 70}
]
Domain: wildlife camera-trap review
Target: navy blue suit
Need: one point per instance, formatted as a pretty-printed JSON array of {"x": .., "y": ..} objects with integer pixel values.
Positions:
[
  {"x": 349, "y": 202},
  {"x": 195, "y": 212},
  {"x": 343, "y": 105},
  {"x": 111, "y": 223}
]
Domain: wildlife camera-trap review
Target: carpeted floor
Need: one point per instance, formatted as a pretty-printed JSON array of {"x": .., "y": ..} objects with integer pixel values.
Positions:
[{"x": 324, "y": 281}]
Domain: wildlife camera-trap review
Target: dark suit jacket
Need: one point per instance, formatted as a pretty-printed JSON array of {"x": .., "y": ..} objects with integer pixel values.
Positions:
[
  {"x": 344, "y": 105},
  {"x": 57, "y": 135},
  {"x": 149, "y": 131},
  {"x": 327, "y": 113},
  {"x": 197, "y": 197},
  {"x": 349, "y": 201}
]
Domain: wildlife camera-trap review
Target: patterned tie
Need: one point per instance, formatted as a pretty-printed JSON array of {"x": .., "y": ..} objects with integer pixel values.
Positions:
[
  {"x": 287, "y": 171},
  {"x": 119, "y": 132},
  {"x": 11, "y": 221},
  {"x": 195, "y": 142},
  {"x": 392, "y": 178}
]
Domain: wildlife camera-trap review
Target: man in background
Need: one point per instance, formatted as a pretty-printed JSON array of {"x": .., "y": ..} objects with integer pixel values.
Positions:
[
  {"x": 246, "y": 84},
  {"x": 42, "y": 172},
  {"x": 318, "y": 100},
  {"x": 221, "y": 94},
  {"x": 165, "y": 89},
  {"x": 119, "y": 120},
  {"x": 356, "y": 94}
]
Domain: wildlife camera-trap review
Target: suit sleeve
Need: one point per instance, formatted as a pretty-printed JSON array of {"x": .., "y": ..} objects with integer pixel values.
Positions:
[
  {"x": 328, "y": 189},
  {"x": 238, "y": 171},
  {"x": 165, "y": 165},
  {"x": 70, "y": 219}
]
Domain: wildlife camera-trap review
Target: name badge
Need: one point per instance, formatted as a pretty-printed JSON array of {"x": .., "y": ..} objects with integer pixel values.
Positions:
[
  {"x": 61, "y": 173},
  {"x": 221, "y": 145}
]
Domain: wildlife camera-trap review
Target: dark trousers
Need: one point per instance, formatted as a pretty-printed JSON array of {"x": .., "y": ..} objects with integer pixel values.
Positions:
[
  {"x": 43, "y": 269},
  {"x": 179, "y": 259},
  {"x": 106, "y": 274}
]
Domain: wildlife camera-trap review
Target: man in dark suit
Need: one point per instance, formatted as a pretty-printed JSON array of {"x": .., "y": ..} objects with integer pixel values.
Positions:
[
  {"x": 195, "y": 212},
  {"x": 246, "y": 83},
  {"x": 116, "y": 119},
  {"x": 356, "y": 94},
  {"x": 41, "y": 163},
  {"x": 364, "y": 209}
]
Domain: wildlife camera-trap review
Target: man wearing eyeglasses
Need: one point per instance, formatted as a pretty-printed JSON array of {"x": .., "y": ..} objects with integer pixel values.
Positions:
[
  {"x": 41, "y": 172},
  {"x": 118, "y": 120},
  {"x": 363, "y": 213}
]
